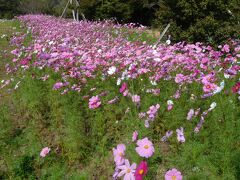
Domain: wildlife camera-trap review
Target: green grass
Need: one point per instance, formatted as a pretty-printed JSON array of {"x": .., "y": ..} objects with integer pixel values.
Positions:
[{"x": 81, "y": 139}]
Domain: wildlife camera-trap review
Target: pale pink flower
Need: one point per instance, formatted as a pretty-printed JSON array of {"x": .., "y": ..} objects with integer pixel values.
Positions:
[
  {"x": 119, "y": 153},
  {"x": 126, "y": 92},
  {"x": 177, "y": 94},
  {"x": 179, "y": 78},
  {"x": 127, "y": 170},
  {"x": 180, "y": 135},
  {"x": 173, "y": 174},
  {"x": 190, "y": 114},
  {"x": 141, "y": 115},
  {"x": 134, "y": 136},
  {"x": 136, "y": 99},
  {"x": 170, "y": 105},
  {"x": 94, "y": 102},
  {"x": 145, "y": 148},
  {"x": 45, "y": 151},
  {"x": 153, "y": 111}
]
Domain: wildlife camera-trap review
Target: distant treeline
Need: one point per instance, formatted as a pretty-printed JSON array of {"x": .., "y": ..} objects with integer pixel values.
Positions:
[{"x": 211, "y": 21}]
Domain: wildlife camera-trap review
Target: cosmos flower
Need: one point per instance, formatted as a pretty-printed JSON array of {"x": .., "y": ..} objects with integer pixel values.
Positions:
[
  {"x": 134, "y": 136},
  {"x": 94, "y": 102},
  {"x": 190, "y": 114},
  {"x": 173, "y": 174},
  {"x": 112, "y": 70},
  {"x": 44, "y": 152},
  {"x": 180, "y": 135},
  {"x": 136, "y": 99},
  {"x": 127, "y": 170},
  {"x": 170, "y": 105},
  {"x": 145, "y": 148},
  {"x": 141, "y": 170},
  {"x": 119, "y": 153},
  {"x": 236, "y": 88}
]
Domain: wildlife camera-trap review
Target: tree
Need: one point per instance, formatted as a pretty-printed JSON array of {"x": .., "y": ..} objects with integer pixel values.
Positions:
[
  {"x": 8, "y": 8},
  {"x": 200, "y": 20}
]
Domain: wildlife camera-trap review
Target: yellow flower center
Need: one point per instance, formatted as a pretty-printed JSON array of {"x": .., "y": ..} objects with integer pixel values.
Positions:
[
  {"x": 120, "y": 154},
  {"x": 174, "y": 177},
  {"x": 146, "y": 146},
  {"x": 141, "y": 171},
  {"x": 128, "y": 170}
]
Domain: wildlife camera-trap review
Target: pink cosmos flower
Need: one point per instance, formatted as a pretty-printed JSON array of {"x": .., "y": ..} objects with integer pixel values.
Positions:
[
  {"x": 123, "y": 87},
  {"x": 125, "y": 93},
  {"x": 145, "y": 148},
  {"x": 44, "y": 151},
  {"x": 226, "y": 48},
  {"x": 141, "y": 170},
  {"x": 119, "y": 153},
  {"x": 114, "y": 100},
  {"x": 134, "y": 136},
  {"x": 177, "y": 94},
  {"x": 136, "y": 99},
  {"x": 209, "y": 87},
  {"x": 190, "y": 114},
  {"x": 94, "y": 102},
  {"x": 127, "y": 170},
  {"x": 153, "y": 111},
  {"x": 58, "y": 85},
  {"x": 179, "y": 78},
  {"x": 180, "y": 135},
  {"x": 236, "y": 88},
  {"x": 173, "y": 174}
]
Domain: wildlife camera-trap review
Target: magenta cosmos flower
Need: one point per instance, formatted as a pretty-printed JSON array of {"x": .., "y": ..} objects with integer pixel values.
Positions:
[
  {"x": 123, "y": 87},
  {"x": 145, "y": 148},
  {"x": 127, "y": 170},
  {"x": 94, "y": 102},
  {"x": 119, "y": 153},
  {"x": 173, "y": 174},
  {"x": 44, "y": 151},
  {"x": 141, "y": 170}
]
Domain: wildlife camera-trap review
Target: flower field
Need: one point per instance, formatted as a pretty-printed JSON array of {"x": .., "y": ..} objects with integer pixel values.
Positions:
[{"x": 98, "y": 100}]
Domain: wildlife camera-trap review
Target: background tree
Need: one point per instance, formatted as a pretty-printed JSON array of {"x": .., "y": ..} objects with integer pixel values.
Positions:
[
  {"x": 200, "y": 20},
  {"x": 8, "y": 8}
]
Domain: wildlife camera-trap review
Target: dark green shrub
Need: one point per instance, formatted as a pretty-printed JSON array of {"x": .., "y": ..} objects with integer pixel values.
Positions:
[{"x": 211, "y": 21}]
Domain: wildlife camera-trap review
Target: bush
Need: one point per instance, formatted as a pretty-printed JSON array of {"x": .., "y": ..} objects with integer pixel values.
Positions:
[{"x": 211, "y": 21}]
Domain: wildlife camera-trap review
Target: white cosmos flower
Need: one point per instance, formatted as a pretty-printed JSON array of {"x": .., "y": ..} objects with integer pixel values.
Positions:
[
  {"x": 227, "y": 76},
  {"x": 157, "y": 59},
  {"x": 213, "y": 105},
  {"x": 112, "y": 70},
  {"x": 169, "y": 102},
  {"x": 168, "y": 42},
  {"x": 220, "y": 88},
  {"x": 119, "y": 81},
  {"x": 153, "y": 83}
]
